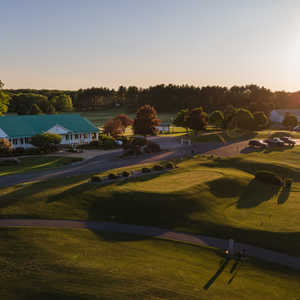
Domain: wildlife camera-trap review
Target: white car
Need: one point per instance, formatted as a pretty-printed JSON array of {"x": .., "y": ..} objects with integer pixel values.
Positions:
[{"x": 297, "y": 128}]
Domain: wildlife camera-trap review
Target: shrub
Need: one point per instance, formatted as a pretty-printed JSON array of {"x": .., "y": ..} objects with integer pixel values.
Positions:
[
  {"x": 46, "y": 141},
  {"x": 288, "y": 182},
  {"x": 152, "y": 147},
  {"x": 158, "y": 168},
  {"x": 125, "y": 174},
  {"x": 170, "y": 165},
  {"x": 109, "y": 144},
  {"x": 146, "y": 170},
  {"x": 19, "y": 150},
  {"x": 96, "y": 178},
  {"x": 139, "y": 141},
  {"x": 112, "y": 176},
  {"x": 269, "y": 178},
  {"x": 32, "y": 151}
]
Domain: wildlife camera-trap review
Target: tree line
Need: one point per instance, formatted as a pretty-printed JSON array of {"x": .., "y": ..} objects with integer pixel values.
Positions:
[{"x": 165, "y": 98}]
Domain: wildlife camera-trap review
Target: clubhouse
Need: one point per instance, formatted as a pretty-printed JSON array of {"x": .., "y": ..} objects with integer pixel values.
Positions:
[{"x": 73, "y": 128}]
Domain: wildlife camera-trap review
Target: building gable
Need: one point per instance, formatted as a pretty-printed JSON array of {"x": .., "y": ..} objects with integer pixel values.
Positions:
[
  {"x": 2, "y": 134},
  {"x": 57, "y": 129}
]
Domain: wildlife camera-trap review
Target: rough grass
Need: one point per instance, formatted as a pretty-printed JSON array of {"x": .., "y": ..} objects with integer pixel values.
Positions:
[
  {"x": 81, "y": 264},
  {"x": 215, "y": 197},
  {"x": 37, "y": 163}
]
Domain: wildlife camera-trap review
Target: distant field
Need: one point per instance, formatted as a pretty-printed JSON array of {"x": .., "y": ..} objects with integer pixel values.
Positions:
[
  {"x": 205, "y": 195},
  {"x": 100, "y": 117},
  {"x": 81, "y": 264}
]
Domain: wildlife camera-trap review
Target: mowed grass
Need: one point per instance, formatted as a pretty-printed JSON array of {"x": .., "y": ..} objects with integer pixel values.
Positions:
[
  {"x": 100, "y": 117},
  {"x": 212, "y": 196},
  {"x": 36, "y": 163},
  {"x": 82, "y": 264}
]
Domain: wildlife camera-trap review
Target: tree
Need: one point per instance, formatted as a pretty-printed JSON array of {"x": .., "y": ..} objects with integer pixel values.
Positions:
[
  {"x": 113, "y": 127},
  {"x": 197, "y": 119},
  {"x": 5, "y": 146},
  {"x": 290, "y": 121},
  {"x": 244, "y": 119},
  {"x": 62, "y": 102},
  {"x": 46, "y": 141},
  {"x": 216, "y": 118},
  {"x": 261, "y": 120},
  {"x": 146, "y": 121},
  {"x": 125, "y": 121},
  {"x": 4, "y": 100},
  {"x": 181, "y": 118},
  {"x": 35, "y": 110}
]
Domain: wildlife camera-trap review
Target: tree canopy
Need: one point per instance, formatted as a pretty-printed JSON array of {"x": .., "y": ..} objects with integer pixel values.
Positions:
[
  {"x": 146, "y": 121},
  {"x": 4, "y": 100},
  {"x": 290, "y": 121}
]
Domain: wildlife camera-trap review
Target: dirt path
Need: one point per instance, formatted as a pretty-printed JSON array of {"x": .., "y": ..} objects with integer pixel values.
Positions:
[{"x": 260, "y": 253}]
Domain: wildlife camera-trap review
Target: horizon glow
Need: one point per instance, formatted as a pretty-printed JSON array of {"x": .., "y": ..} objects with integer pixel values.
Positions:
[{"x": 72, "y": 44}]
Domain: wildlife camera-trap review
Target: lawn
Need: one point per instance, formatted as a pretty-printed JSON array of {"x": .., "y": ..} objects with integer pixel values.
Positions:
[
  {"x": 36, "y": 163},
  {"x": 100, "y": 117},
  {"x": 212, "y": 196},
  {"x": 82, "y": 264}
]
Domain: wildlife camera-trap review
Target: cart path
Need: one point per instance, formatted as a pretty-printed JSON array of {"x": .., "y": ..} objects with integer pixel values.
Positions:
[{"x": 200, "y": 240}]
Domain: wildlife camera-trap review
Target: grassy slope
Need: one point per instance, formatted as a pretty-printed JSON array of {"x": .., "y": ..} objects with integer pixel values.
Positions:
[
  {"x": 36, "y": 163},
  {"x": 214, "y": 197},
  {"x": 81, "y": 264}
]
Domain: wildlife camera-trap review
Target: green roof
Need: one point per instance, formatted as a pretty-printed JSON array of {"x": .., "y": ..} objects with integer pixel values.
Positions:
[{"x": 30, "y": 125}]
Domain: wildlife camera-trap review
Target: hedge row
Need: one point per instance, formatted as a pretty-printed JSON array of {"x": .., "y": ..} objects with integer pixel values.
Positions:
[{"x": 112, "y": 176}]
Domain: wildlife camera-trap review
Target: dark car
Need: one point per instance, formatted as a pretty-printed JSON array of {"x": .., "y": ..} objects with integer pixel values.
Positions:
[
  {"x": 274, "y": 142},
  {"x": 288, "y": 140},
  {"x": 257, "y": 143}
]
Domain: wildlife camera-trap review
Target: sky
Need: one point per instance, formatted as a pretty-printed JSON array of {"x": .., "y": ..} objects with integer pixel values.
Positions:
[{"x": 72, "y": 44}]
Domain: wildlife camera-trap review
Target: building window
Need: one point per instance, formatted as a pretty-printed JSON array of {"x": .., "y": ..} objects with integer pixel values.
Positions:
[
  {"x": 22, "y": 141},
  {"x": 85, "y": 135},
  {"x": 76, "y": 136},
  {"x": 94, "y": 136},
  {"x": 67, "y": 137},
  {"x": 27, "y": 140},
  {"x": 15, "y": 141}
]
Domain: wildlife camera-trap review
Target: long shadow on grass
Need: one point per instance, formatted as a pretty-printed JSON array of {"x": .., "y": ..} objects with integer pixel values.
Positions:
[
  {"x": 284, "y": 195},
  {"x": 255, "y": 193},
  {"x": 225, "y": 187},
  {"x": 217, "y": 274}
]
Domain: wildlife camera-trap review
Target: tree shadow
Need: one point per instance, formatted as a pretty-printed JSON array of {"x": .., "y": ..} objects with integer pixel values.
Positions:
[
  {"x": 234, "y": 270},
  {"x": 225, "y": 187},
  {"x": 217, "y": 274},
  {"x": 284, "y": 195},
  {"x": 255, "y": 193}
]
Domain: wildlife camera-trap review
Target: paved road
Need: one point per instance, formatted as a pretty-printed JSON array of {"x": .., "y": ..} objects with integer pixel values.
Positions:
[
  {"x": 200, "y": 240},
  {"x": 112, "y": 160}
]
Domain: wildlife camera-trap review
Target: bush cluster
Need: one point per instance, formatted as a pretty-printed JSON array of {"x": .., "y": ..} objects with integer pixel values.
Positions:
[
  {"x": 158, "y": 168},
  {"x": 125, "y": 174},
  {"x": 112, "y": 176},
  {"x": 96, "y": 178}
]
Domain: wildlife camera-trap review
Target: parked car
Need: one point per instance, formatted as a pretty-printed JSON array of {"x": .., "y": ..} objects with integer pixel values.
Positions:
[
  {"x": 297, "y": 128},
  {"x": 257, "y": 143},
  {"x": 274, "y": 142},
  {"x": 288, "y": 140}
]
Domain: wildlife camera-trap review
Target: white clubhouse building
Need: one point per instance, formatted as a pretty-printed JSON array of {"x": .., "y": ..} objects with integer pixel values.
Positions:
[{"x": 73, "y": 128}]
